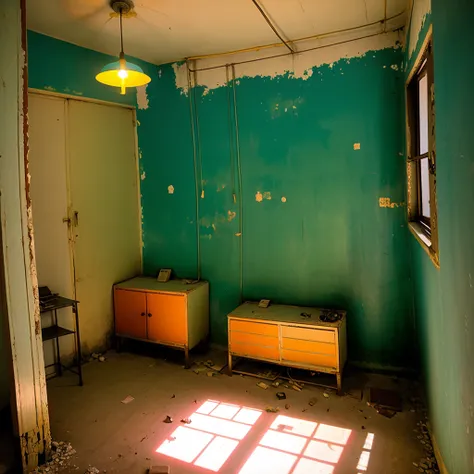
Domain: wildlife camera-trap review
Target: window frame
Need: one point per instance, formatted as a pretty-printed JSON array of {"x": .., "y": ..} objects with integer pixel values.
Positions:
[{"x": 425, "y": 229}]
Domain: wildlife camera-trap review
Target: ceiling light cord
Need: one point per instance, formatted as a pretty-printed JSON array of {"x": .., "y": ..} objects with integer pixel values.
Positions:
[
  {"x": 270, "y": 24},
  {"x": 121, "y": 34}
]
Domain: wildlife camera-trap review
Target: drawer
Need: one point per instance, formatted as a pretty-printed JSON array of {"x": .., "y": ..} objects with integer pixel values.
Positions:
[
  {"x": 309, "y": 359},
  {"x": 248, "y": 338},
  {"x": 254, "y": 328},
  {"x": 308, "y": 346},
  {"x": 254, "y": 351},
  {"x": 307, "y": 334}
]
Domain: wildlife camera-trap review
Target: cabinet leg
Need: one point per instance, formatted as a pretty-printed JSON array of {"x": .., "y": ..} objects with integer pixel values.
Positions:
[
  {"x": 229, "y": 369},
  {"x": 339, "y": 383},
  {"x": 187, "y": 364}
]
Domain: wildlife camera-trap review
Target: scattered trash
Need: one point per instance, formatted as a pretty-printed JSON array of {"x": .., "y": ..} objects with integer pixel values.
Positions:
[
  {"x": 312, "y": 401},
  {"x": 326, "y": 395},
  {"x": 303, "y": 410},
  {"x": 262, "y": 385},
  {"x": 209, "y": 363},
  {"x": 186, "y": 421},
  {"x": 281, "y": 395},
  {"x": 275, "y": 384},
  {"x": 173, "y": 396},
  {"x": 272, "y": 409},
  {"x": 168, "y": 419},
  {"x": 385, "y": 412},
  {"x": 143, "y": 439},
  {"x": 327, "y": 410},
  {"x": 210, "y": 374},
  {"x": 127, "y": 400},
  {"x": 92, "y": 470},
  {"x": 61, "y": 456},
  {"x": 101, "y": 359},
  {"x": 363, "y": 427},
  {"x": 287, "y": 406},
  {"x": 296, "y": 386},
  {"x": 95, "y": 355}
]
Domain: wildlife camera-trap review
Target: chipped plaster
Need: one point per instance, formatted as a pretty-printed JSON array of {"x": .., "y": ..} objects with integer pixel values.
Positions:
[
  {"x": 421, "y": 8},
  {"x": 298, "y": 66},
  {"x": 142, "y": 98}
]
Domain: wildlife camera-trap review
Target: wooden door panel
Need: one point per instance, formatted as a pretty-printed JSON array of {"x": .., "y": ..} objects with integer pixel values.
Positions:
[
  {"x": 166, "y": 318},
  {"x": 130, "y": 313}
]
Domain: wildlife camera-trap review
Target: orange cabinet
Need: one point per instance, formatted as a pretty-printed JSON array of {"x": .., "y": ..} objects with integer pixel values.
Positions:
[
  {"x": 173, "y": 313},
  {"x": 288, "y": 335}
]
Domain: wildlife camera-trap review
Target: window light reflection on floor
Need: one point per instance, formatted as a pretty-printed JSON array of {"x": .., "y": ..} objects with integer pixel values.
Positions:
[
  {"x": 365, "y": 455},
  {"x": 214, "y": 432},
  {"x": 297, "y": 446}
]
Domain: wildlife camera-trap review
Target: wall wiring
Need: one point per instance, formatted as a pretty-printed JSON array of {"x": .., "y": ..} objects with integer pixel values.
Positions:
[
  {"x": 304, "y": 38},
  {"x": 196, "y": 185},
  {"x": 198, "y": 135},
  {"x": 219, "y": 66},
  {"x": 271, "y": 25},
  {"x": 231, "y": 140},
  {"x": 239, "y": 174}
]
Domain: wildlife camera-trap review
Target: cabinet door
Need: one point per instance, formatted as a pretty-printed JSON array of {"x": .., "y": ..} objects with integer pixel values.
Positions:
[
  {"x": 130, "y": 313},
  {"x": 166, "y": 318}
]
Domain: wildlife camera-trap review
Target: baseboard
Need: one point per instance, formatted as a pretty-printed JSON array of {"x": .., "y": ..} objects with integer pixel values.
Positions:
[
  {"x": 384, "y": 369},
  {"x": 437, "y": 453}
]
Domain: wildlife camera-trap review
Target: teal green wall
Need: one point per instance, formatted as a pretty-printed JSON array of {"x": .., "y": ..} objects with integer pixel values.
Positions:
[
  {"x": 330, "y": 244},
  {"x": 444, "y": 298}
]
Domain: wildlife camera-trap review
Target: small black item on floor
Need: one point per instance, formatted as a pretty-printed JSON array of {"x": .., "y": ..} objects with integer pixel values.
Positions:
[
  {"x": 383, "y": 398},
  {"x": 281, "y": 395},
  {"x": 168, "y": 419}
]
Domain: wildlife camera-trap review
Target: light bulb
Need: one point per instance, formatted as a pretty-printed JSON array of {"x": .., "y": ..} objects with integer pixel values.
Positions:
[{"x": 122, "y": 73}]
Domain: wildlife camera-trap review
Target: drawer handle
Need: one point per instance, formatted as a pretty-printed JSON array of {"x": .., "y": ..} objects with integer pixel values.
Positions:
[
  {"x": 149, "y": 315},
  {"x": 143, "y": 314}
]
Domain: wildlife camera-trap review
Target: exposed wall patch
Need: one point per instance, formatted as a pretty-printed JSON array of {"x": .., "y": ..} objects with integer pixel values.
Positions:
[
  {"x": 283, "y": 199},
  {"x": 267, "y": 195},
  {"x": 421, "y": 8},
  {"x": 259, "y": 196},
  {"x": 142, "y": 98},
  {"x": 170, "y": 189},
  {"x": 356, "y": 146},
  {"x": 294, "y": 67},
  {"x": 143, "y": 176},
  {"x": 231, "y": 215},
  {"x": 386, "y": 202}
]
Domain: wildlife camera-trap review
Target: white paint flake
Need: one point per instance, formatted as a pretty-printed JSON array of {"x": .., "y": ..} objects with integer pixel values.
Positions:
[
  {"x": 143, "y": 176},
  {"x": 421, "y": 8},
  {"x": 142, "y": 98},
  {"x": 170, "y": 189},
  {"x": 298, "y": 66}
]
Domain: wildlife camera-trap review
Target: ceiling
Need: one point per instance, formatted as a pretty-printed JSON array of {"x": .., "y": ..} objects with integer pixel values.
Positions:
[{"x": 168, "y": 30}]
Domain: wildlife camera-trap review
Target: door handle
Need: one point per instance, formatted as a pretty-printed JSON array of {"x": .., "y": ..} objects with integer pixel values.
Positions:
[
  {"x": 143, "y": 314},
  {"x": 149, "y": 315}
]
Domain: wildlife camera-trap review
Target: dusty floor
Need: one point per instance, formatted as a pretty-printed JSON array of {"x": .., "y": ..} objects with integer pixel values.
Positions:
[{"x": 337, "y": 435}]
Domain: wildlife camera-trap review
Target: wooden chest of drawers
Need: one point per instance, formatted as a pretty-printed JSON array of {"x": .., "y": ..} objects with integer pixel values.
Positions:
[
  {"x": 174, "y": 313},
  {"x": 282, "y": 335}
]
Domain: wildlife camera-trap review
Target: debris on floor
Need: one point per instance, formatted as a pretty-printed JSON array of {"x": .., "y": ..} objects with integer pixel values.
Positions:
[
  {"x": 187, "y": 421},
  {"x": 312, "y": 401},
  {"x": 296, "y": 386},
  {"x": 287, "y": 406},
  {"x": 61, "y": 457},
  {"x": 272, "y": 409},
  {"x": 92, "y": 470},
  {"x": 326, "y": 395},
  {"x": 210, "y": 374},
  {"x": 168, "y": 419},
  {"x": 281, "y": 395},
  {"x": 262, "y": 385},
  {"x": 276, "y": 384},
  {"x": 127, "y": 399},
  {"x": 101, "y": 359},
  {"x": 385, "y": 411}
]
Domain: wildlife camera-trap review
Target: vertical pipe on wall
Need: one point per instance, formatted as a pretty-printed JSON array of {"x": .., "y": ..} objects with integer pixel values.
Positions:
[
  {"x": 231, "y": 141},
  {"x": 196, "y": 173},
  {"x": 239, "y": 175}
]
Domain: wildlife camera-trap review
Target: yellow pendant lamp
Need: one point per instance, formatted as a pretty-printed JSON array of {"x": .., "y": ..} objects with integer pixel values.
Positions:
[{"x": 122, "y": 73}]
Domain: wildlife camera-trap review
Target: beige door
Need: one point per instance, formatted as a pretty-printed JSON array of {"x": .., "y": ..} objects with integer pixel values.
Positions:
[
  {"x": 103, "y": 185},
  {"x": 48, "y": 190}
]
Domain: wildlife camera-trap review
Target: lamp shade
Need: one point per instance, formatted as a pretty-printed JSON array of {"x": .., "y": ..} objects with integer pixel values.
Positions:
[{"x": 122, "y": 74}]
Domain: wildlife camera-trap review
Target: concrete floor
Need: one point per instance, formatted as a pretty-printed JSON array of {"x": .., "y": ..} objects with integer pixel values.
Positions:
[{"x": 123, "y": 438}]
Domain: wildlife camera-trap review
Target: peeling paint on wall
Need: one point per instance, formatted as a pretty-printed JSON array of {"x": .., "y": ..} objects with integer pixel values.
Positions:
[
  {"x": 283, "y": 199},
  {"x": 293, "y": 66},
  {"x": 143, "y": 176},
  {"x": 421, "y": 8},
  {"x": 267, "y": 195},
  {"x": 142, "y": 98},
  {"x": 259, "y": 197},
  {"x": 385, "y": 202},
  {"x": 356, "y": 146},
  {"x": 170, "y": 189},
  {"x": 231, "y": 215}
]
